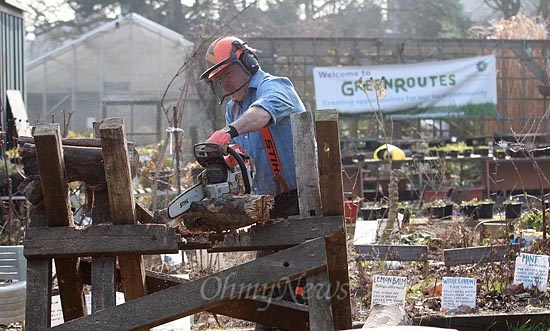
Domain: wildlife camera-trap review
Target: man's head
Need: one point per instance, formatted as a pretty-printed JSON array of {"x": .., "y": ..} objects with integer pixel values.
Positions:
[{"x": 231, "y": 62}]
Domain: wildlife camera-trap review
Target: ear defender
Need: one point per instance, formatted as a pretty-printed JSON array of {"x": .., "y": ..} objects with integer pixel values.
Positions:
[{"x": 247, "y": 57}]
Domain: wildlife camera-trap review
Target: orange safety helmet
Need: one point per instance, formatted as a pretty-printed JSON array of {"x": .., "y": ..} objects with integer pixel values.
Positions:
[{"x": 226, "y": 50}]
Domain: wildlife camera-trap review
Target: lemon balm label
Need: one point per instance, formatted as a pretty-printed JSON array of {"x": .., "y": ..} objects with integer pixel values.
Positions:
[{"x": 388, "y": 290}]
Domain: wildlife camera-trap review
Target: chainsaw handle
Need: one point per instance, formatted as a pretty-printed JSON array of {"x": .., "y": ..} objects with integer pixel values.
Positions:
[{"x": 240, "y": 161}]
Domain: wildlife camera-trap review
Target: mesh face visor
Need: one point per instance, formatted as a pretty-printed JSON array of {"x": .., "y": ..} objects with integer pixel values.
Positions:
[{"x": 215, "y": 84}]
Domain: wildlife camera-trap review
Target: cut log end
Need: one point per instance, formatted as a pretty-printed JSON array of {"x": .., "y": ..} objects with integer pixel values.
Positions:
[
  {"x": 222, "y": 214},
  {"x": 228, "y": 212}
]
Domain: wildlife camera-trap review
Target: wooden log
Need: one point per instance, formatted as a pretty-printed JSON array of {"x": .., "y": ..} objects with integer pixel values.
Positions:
[
  {"x": 223, "y": 213},
  {"x": 386, "y": 315},
  {"x": 83, "y": 142},
  {"x": 82, "y": 163}
]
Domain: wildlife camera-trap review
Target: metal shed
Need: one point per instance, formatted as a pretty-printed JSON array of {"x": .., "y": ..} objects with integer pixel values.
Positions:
[{"x": 12, "y": 34}]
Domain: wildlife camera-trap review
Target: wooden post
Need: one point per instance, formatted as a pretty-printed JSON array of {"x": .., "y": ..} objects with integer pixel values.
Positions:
[
  {"x": 307, "y": 175},
  {"x": 51, "y": 165},
  {"x": 332, "y": 201},
  {"x": 39, "y": 279},
  {"x": 121, "y": 200}
]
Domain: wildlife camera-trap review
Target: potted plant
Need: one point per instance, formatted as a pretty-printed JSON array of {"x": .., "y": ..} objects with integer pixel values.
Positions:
[
  {"x": 370, "y": 212},
  {"x": 351, "y": 209},
  {"x": 470, "y": 208},
  {"x": 512, "y": 208},
  {"x": 486, "y": 208},
  {"x": 436, "y": 208},
  {"x": 404, "y": 208}
]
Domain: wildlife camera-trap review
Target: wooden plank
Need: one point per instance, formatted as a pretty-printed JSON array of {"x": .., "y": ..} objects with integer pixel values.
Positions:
[
  {"x": 472, "y": 255},
  {"x": 103, "y": 283},
  {"x": 101, "y": 240},
  {"x": 483, "y": 322},
  {"x": 279, "y": 235},
  {"x": 103, "y": 268},
  {"x": 39, "y": 280},
  {"x": 39, "y": 292},
  {"x": 121, "y": 199},
  {"x": 392, "y": 252},
  {"x": 207, "y": 292},
  {"x": 255, "y": 311},
  {"x": 319, "y": 302},
  {"x": 332, "y": 201},
  {"x": 317, "y": 288},
  {"x": 51, "y": 166},
  {"x": 251, "y": 309},
  {"x": 117, "y": 171},
  {"x": 307, "y": 176}
]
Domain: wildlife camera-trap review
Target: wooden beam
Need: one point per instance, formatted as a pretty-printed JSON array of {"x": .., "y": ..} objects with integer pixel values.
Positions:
[
  {"x": 392, "y": 252},
  {"x": 332, "y": 201},
  {"x": 250, "y": 309},
  {"x": 101, "y": 240},
  {"x": 483, "y": 254},
  {"x": 121, "y": 199},
  {"x": 309, "y": 194},
  {"x": 307, "y": 175},
  {"x": 51, "y": 166},
  {"x": 207, "y": 292},
  {"x": 39, "y": 279},
  {"x": 279, "y": 235}
]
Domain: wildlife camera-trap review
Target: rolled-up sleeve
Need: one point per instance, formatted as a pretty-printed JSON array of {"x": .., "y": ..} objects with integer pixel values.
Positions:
[{"x": 273, "y": 96}]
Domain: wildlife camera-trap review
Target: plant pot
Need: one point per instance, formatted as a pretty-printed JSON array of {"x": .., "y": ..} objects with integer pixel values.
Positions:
[
  {"x": 512, "y": 210},
  {"x": 448, "y": 210},
  {"x": 351, "y": 210},
  {"x": 437, "y": 212},
  {"x": 471, "y": 211},
  {"x": 486, "y": 210},
  {"x": 383, "y": 213},
  {"x": 370, "y": 213}
]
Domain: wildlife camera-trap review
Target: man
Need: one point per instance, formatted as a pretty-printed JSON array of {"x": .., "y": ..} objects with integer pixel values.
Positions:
[{"x": 257, "y": 117}]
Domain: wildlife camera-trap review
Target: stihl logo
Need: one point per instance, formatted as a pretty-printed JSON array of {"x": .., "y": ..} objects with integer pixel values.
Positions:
[
  {"x": 273, "y": 158},
  {"x": 184, "y": 202}
]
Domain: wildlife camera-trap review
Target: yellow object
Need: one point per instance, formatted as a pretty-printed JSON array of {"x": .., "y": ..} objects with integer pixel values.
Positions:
[{"x": 387, "y": 151}]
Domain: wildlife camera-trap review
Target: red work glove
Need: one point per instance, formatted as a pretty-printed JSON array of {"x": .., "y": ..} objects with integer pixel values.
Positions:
[{"x": 220, "y": 137}]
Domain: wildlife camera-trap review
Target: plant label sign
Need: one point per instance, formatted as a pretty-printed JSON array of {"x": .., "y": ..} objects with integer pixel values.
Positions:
[
  {"x": 458, "y": 292},
  {"x": 388, "y": 290},
  {"x": 532, "y": 270}
]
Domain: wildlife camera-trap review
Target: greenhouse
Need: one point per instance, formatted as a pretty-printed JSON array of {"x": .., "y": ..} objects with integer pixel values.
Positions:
[{"x": 121, "y": 69}]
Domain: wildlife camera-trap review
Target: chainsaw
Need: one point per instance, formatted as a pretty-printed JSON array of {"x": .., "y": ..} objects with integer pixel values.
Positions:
[{"x": 228, "y": 170}]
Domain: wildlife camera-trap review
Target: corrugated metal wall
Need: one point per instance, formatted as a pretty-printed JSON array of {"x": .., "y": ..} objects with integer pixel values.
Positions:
[{"x": 12, "y": 32}]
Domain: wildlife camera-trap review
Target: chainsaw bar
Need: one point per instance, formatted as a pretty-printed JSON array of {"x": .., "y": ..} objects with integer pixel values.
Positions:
[{"x": 182, "y": 203}]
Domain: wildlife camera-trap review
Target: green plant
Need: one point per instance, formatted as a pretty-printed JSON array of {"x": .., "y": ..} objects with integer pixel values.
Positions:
[
  {"x": 436, "y": 203},
  {"x": 472, "y": 202},
  {"x": 532, "y": 220}
]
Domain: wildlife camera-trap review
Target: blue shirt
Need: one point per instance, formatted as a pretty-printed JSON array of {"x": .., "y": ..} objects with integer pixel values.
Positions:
[{"x": 279, "y": 98}]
